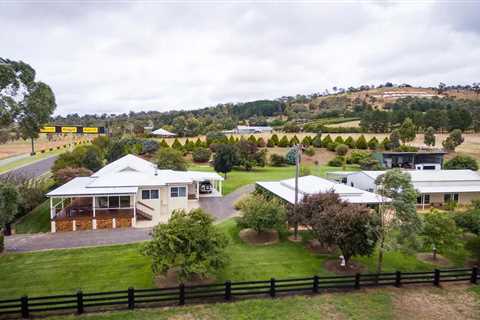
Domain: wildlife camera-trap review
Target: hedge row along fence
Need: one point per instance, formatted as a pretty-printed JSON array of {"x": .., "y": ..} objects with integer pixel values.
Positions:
[{"x": 80, "y": 302}]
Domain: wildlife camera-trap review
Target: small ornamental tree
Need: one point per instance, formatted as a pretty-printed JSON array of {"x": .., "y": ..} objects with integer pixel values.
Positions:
[
  {"x": 291, "y": 156},
  {"x": 473, "y": 245},
  {"x": 361, "y": 143},
  {"x": 373, "y": 143},
  {"x": 385, "y": 144},
  {"x": 310, "y": 151},
  {"x": 317, "y": 141},
  {"x": 468, "y": 221},
  {"x": 164, "y": 144},
  {"x": 429, "y": 137},
  {"x": 350, "y": 227},
  {"x": 261, "y": 142},
  {"x": 453, "y": 140},
  {"x": 270, "y": 143},
  {"x": 294, "y": 141},
  {"x": 401, "y": 212},
  {"x": 201, "y": 154},
  {"x": 341, "y": 150},
  {"x": 177, "y": 145},
  {"x": 261, "y": 214},
  {"x": 274, "y": 139},
  {"x": 277, "y": 160},
  {"x": 249, "y": 156},
  {"x": 307, "y": 141},
  {"x": 350, "y": 142},
  {"x": 9, "y": 202},
  {"x": 198, "y": 143},
  {"x": 170, "y": 159},
  {"x": 394, "y": 139},
  {"x": 327, "y": 141},
  {"x": 284, "y": 143},
  {"x": 339, "y": 140},
  {"x": 252, "y": 139},
  {"x": 225, "y": 158},
  {"x": 407, "y": 131},
  {"x": 461, "y": 162},
  {"x": 189, "y": 244},
  {"x": 440, "y": 231}
]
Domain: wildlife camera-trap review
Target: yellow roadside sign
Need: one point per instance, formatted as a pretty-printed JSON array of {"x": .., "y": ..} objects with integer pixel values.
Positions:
[
  {"x": 90, "y": 130},
  {"x": 69, "y": 129},
  {"x": 47, "y": 130}
]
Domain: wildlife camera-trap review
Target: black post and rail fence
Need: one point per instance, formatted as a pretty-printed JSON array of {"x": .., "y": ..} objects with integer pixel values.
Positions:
[{"x": 131, "y": 298}]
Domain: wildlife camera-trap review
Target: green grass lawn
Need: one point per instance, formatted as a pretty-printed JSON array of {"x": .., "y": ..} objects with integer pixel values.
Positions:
[
  {"x": 28, "y": 160},
  {"x": 38, "y": 220},
  {"x": 121, "y": 266},
  {"x": 238, "y": 178}
]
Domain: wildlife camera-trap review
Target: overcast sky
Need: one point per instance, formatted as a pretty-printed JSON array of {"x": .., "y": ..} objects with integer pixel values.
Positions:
[{"x": 102, "y": 57}]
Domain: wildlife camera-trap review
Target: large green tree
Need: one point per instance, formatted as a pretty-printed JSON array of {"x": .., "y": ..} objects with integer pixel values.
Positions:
[
  {"x": 397, "y": 211},
  {"x": 23, "y": 100},
  {"x": 168, "y": 158},
  {"x": 429, "y": 137},
  {"x": 407, "y": 131},
  {"x": 225, "y": 158},
  {"x": 440, "y": 232}
]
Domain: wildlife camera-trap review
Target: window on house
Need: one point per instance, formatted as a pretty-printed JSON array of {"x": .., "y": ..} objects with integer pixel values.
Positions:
[
  {"x": 124, "y": 202},
  {"x": 176, "y": 192},
  {"x": 450, "y": 197},
  {"x": 149, "y": 194},
  {"x": 426, "y": 199},
  {"x": 113, "y": 202},
  {"x": 102, "y": 202}
]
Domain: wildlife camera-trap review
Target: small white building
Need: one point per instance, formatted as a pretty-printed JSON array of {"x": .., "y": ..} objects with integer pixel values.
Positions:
[
  {"x": 436, "y": 187},
  {"x": 129, "y": 192},
  {"x": 162, "y": 133},
  {"x": 252, "y": 129},
  {"x": 307, "y": 185}
]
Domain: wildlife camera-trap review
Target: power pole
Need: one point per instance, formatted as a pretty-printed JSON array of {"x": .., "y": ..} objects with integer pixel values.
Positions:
[{"x": 297, "y": 174}]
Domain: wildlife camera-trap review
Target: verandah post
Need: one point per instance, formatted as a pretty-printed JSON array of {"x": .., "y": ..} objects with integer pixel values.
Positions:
[
  {"x": 272, "y": 287},
  {"x": 25, "y": 311},
  {"x": 474, "y": 278},
  {"x": 79, "y": 302},
  {"x": 131, "y": 298},
  {"x": 436, "y": 278}
]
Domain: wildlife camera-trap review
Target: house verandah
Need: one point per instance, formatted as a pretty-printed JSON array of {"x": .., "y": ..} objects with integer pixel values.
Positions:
[{"x": 90, "y": 212}]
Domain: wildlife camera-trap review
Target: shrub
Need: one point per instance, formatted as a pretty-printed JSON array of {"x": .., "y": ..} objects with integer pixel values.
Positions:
[
  {"x": 310, "y": 151},
  {"x": 317, "y": 141},
  {"x": 453, "y": 140},
  {"x": 461, "y": 162},
  {"x": 189, "y": 243},
  {"x": 473, "y": 245},
  {"x": 176, "y": 144},
  {"x": 291, "y": 127},
  {"x": 291, "y": 155},
  {"x": 469, "y": 221},
  {"x": 170, "y": 159},
  {"x": 331, "y": 147},
  {"x": 261, "y": 143},
  {"x": 261, "y": 215},
  {"x": 370, "y": 164},
  {"x": 307, "y": 141},
  {"x": 339, "y": 140},
  {"x": 164, "y": 144},
  {"x": 201, "y": 154},
  {"x": 270, "y": 143},
  {"x": 338, "y": 161},
  {"x": 350, "y": 142},
  {"x": 277, "y": 160},
  {"x": 327, "y": 141},
  {"x": 440, "y": 231},
  {"x": 357, "y": 156},
  {"x": 274, "y": 139},
  {"x": 341, "y": 150},
  {"x": 284, "y": 143},
  {"x": 361, "y": 143},
  {"x": 66, "y": 174},
  {"x": 373, "y": 143},
  {"x": 294, "y": 141},
  {"x": 386, "y": 144}
]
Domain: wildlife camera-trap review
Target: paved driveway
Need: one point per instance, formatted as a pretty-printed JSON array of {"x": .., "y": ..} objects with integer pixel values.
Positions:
[
  {"x": 35, "y": 169},
  {"x": 221, "y": 208}
]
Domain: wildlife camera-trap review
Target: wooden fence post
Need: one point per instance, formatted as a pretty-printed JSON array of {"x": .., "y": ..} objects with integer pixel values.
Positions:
[
  {"x": 398, "y": 279},
  {"x": 315, "y": 284},
  {"x": 181, "y": 298},
  {"x": 272, "y": 287},
  {"x": 79, "y": 302},
  {"x": 357, "y": 281},
  {"x": 25, "y": 311},
  {"x": 436, "y": 278},
  {"x": 131, "y": 298},
  {"x": 228, "y": 290},
  {"x": 474, "y": 278}
]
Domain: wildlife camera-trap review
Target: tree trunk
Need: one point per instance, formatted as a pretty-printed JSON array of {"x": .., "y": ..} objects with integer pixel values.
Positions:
[
  {"x": 380, "y": 255},
  {"x": 33, "y": 146}
]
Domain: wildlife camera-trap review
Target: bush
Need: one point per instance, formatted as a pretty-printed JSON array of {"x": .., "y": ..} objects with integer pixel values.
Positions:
[
  {"x": 277, "y": 160},
  {"x": 361, "y": 143},
  {"x": 327, "y": 141},
  {"x": 406, "y": 148},
  {"x": 284, "y": 143},
  {"x": 461, "y": 162},
  {"x": 469, "y": 221},
  {"x": 331, "y": 146},
  {"x": 310, "y": 151},
  {"x": 201, "y": 154},
  {"x": 373, "y": 143},
  {"x": 350, "y": 142},
  {"x": 270, "y": 143},
  {"x": 64, "y": 175},
  {"x": 341, "y": 150},
  {"x": 176, "y": 144},
  {"x": 370, "y": 164},
  {"x": 261, "y": 214},
  {"x": 261, "y": 143},
  {"x": 291, "y": 156},
  {"x": 317, "y": 141},
  {"x": 294, "y": 141},
  {"x": 189, "y": 243},
  {"x": 170, "y": 159},
  {"x": 307, "y": 141},
  {"x": 357, "y": 156},
  {"x": 338, "y": 161},
  {"x": 473, "y": 245},
  {"x": 339, "y": 140}
]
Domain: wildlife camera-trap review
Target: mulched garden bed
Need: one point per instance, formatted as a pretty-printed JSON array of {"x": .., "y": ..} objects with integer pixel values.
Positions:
[
  {"x": 254, "y": 238},
  {"x": 428, "y": 258},
  {"x": 170, "y": 280},
  {"x": 335, "y": 267}
]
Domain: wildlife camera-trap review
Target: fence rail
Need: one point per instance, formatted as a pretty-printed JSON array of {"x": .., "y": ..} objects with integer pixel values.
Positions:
[{"x": 132, "y": 298}]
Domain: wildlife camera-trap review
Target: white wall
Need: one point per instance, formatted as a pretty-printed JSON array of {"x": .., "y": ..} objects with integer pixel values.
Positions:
[{"x": 361, "y": 181}]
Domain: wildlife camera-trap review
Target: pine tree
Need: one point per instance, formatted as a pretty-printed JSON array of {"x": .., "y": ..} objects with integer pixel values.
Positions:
[{"x": 361, "y": 142}]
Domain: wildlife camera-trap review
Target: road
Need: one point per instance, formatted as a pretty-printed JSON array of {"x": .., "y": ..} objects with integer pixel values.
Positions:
[{"x": 35, "y": 169}]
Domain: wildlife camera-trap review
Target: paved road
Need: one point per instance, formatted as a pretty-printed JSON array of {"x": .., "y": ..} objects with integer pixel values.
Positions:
[
  {"x": 221, "y": 208},
  {"x": 35, "y": 169}
]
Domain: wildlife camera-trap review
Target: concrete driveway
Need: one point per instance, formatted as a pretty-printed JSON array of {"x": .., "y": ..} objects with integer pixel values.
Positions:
[
  {"x": 34, "y": 169},
  {"x": 221, "y": 208}
]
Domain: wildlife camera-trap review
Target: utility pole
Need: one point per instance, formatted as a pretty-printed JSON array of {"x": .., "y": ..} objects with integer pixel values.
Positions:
[{"x": 297, "y": 174}]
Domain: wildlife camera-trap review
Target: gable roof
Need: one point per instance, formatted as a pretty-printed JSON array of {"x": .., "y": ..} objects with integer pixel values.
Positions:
[
  {"x": 163, "y": 132},
  {"x": 431, "y": 175}
]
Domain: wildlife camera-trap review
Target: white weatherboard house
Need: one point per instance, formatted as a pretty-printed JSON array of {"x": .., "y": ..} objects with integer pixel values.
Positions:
[
  {"x": 285, "y": 189},
  {"x": 436, "y": 187},
  {"x": 129, "y": 192}
]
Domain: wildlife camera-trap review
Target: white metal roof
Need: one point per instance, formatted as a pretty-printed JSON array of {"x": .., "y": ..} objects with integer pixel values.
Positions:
[
  {"x": 163, "y": 132},
  {"x": 127, "y": 174},
  {"x": 285, "y": 189},
  {"x": 79, "y": 186},
  {"x": 448, "y": 189},
  {"x": 256, "y": 128},
  {"x": 431, "y": 175}
]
